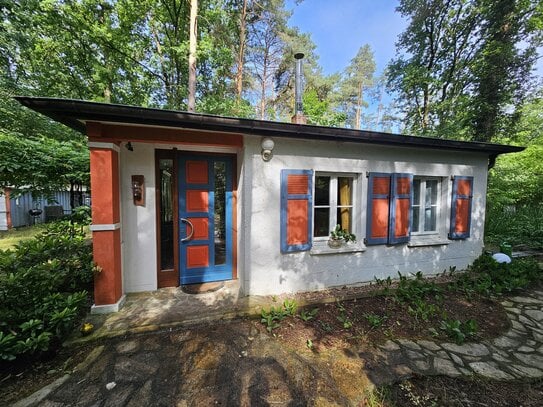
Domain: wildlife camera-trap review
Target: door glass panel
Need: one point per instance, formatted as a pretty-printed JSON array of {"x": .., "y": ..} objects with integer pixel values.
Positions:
[
  {"x": 166, "y": 214},
  {"x": 220, "y": 212}
]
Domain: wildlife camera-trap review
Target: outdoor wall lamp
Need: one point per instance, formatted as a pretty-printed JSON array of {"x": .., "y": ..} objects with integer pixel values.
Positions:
[
  {"x": 138, "y": 190},
  {"x": 267, "y": 149}
]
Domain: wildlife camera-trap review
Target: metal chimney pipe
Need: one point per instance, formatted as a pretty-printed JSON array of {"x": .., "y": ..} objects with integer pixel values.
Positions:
[{"x": 299, "y": 107}]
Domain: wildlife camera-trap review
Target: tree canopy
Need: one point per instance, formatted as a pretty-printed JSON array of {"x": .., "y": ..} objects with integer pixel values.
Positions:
[
  {"x": 463, "y": 69},
  {"x": 464, "y": 66}
]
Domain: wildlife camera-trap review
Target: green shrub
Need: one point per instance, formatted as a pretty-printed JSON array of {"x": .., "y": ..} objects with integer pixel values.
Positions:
[
  {"x": 517, "y": 226},
  {"x": 488, "y": 277},
  {"x": 43, "y": 285}
]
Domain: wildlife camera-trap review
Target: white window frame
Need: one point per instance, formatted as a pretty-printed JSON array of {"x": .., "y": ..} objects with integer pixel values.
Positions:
[
  {"x": 333, "y": 205},
  {"x": 422, "y": 207}
]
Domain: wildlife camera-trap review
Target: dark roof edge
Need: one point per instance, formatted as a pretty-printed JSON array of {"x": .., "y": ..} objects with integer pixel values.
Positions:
[{"x": 71, "y": 112}]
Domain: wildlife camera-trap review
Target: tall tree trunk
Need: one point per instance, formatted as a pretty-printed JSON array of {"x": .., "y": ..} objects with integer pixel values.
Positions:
[
  {"x": 192, "y": 55},
  {"x": 263, "y": 99},
  {"x": 425, "y": 109},
  {"x": 241, "y": 52},
  {"x": 358, "y": 115}
]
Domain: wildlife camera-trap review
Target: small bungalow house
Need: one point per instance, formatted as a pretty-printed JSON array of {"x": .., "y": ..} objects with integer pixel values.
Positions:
[{"x": 180, "y": 198}]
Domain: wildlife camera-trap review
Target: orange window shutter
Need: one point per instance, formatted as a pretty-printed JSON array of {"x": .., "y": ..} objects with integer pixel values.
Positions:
[
  {"x": 400, "y": 213},
  {"x": 461, "y": 207},
  {"x": 378, "y": 208},
  {"x": 296, "y": 210}
]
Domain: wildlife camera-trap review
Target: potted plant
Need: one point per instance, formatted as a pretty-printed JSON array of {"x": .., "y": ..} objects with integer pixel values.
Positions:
[{"x": 340, "y": 236}]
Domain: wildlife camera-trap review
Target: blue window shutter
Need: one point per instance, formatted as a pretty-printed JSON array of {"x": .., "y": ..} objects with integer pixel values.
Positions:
[
  {"x": 378, "y": 210},
  {"x": 296, "y": 210},
  {"x": 462, "y": 197},
  {"x": 401, "y": 198}
]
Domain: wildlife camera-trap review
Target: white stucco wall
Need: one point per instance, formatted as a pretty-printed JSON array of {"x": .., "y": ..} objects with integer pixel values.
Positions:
[
  {"x": 262, "y": 268},
  {"x": 3, "y": 213},
  {"x": 138, "y": 223},
  {"x": 268, "y": 271}
]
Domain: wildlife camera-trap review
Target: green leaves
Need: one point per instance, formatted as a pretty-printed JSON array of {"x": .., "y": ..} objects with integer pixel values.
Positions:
[
  {"x": 41, "y": 165},
  {"x": 459, "y": 331},
  {"x": 464, "y": 66},
  {"x": 42, "y": 289}
]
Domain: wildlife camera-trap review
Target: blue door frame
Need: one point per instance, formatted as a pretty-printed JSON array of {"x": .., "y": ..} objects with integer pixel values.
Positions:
[{"x": 197, "y": 212}]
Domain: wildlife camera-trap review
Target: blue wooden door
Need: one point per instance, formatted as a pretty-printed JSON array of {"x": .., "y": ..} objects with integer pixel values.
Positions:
[{"x": 205, "y": 218}]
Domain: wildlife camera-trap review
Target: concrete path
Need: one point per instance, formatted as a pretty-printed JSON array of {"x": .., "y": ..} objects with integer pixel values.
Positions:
[{"x": 238, "y": 363}]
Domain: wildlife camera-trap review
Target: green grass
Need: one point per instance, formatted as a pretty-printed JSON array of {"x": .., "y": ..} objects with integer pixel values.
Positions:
[{"x": 8, "y": 239}]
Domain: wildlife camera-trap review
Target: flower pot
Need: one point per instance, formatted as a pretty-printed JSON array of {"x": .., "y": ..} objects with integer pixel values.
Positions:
[{"x": 335, "y": 243}]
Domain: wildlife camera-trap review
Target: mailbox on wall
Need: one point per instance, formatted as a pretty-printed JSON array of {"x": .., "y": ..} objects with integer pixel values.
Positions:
[{"x": 138, "y": 190}]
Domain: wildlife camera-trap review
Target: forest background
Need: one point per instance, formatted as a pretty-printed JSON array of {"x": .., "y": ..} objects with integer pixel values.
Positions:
[{"x": 464, "y": 69}]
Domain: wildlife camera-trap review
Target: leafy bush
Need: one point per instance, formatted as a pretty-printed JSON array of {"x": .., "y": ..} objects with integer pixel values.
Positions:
[
  {"x": 43, "y": 285},
  {"x": 416, "y": 289},
  {"x": 518, "y": 226},
  {"x": 488, "y": 277}
]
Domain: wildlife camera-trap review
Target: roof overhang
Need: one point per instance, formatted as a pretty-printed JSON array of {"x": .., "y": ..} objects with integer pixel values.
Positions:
[{"x": 76, "y": 113}]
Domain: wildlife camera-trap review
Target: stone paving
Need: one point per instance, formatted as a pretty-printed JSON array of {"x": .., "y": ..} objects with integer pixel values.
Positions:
[
  {"x": 515, "y": 355},
  {"x": 237, "y": 363}
]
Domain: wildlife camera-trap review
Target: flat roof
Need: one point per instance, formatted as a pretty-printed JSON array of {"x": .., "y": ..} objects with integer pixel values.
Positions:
[{"x": 75, "y": 113}]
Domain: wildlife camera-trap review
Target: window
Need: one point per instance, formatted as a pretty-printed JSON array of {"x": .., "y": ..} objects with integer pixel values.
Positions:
[
  {"x": 398, "y": 205},
  {"x": 167, "y": 241},
  {"x": 426, "y": 205},
  {"x": 333, "y": 204}
]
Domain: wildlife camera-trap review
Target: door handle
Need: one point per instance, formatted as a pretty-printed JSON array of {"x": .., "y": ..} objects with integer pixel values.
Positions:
[{"x": 188, "y": 222}]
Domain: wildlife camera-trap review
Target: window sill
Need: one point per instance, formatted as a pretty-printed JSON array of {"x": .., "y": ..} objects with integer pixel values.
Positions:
[
  {"x": 428, "y": 241},
  {"x": 320, "y": 248}
]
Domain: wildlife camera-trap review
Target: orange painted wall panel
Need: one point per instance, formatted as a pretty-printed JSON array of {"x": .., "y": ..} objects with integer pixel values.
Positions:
[
  {"x": 464, "y": 187},
  {"x": 462, "y": 216},
  {"x": 197, "y": 201},
  {"x": 197, "y": 172},
  {"x": 197, "y": 256},
  {"x": 148, "y": 134},
  {"x": 107, "y": 255},
  {"x": 403, "y": 186},
  {"x": 297, "y": 184},
  {"x": 401, "y": 228},
  {"x": 380, "y": 211},
  {"x": 297, "y": 215},
  {"x": 104, "y": 166},
  {"x": 381, "y": 185},
  {"x": 201, "y": 228}
]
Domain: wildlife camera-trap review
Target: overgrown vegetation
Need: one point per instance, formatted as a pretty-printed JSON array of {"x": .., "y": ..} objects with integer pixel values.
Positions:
[
  {"x": 43, "y": 289},
  {"x": 421, "y": 302},
  {"x": 517, "y": 226}
]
